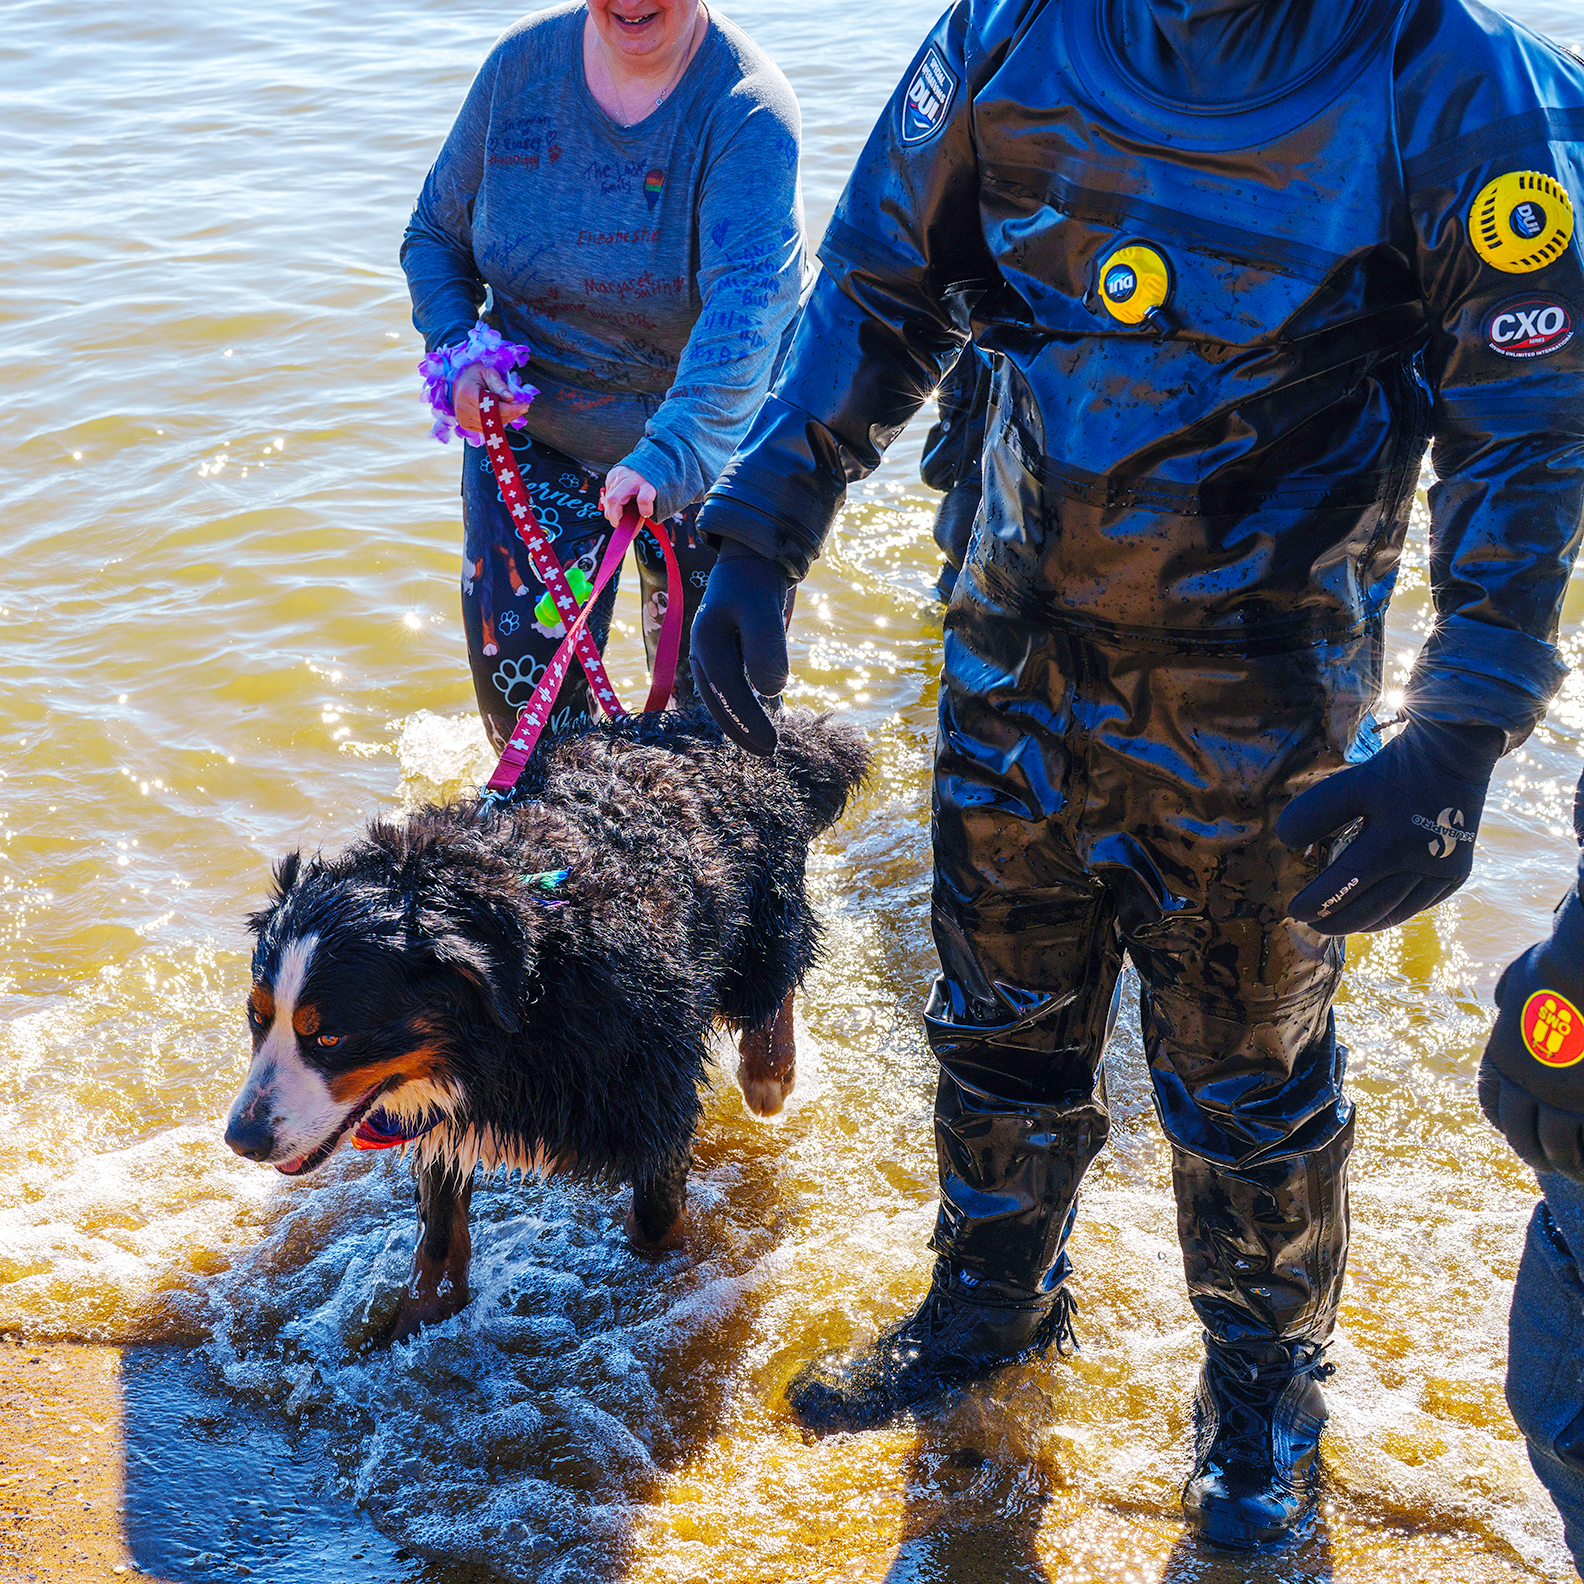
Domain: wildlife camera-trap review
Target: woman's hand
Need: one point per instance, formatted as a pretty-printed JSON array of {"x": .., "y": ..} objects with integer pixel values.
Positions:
[
  {"x": 622, "y": 484},
  {"x": 470, "y": 385}
]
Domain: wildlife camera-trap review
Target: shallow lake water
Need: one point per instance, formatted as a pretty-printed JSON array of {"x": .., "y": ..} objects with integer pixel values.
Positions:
[{"x": 230, "y": 610}]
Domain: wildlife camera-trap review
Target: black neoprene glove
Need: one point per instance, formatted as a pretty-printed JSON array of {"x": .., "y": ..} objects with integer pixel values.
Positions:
[
  {"x": 1531, "y": 1077},
  {"x": 739, "y": 638},
  {"x": 1420, "y": 798}
]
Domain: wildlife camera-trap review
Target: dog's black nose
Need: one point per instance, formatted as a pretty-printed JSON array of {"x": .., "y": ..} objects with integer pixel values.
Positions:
[{"x": 249, "y": 1137}]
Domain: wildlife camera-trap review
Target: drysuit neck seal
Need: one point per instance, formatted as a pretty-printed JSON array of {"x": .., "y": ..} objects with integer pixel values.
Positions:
[{"x": 1220, "y": 73}]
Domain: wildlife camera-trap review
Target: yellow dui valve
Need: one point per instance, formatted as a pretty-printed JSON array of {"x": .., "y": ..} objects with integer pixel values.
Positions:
[
  {"x": 1521, "y": 221},
  {"x": 1135, "y": 283}
]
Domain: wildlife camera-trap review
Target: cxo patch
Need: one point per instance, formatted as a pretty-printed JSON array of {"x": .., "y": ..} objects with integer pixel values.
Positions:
[
  {"x": 1521, "y": 221},
  {"x": 1553, "y": 1030},
  {"x": 1528, "y": 327},
  {"x": 929, "y": 98}
]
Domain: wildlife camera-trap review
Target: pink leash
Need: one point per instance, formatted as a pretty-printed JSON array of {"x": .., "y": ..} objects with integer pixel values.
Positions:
[{"x": 531, "y": 722}]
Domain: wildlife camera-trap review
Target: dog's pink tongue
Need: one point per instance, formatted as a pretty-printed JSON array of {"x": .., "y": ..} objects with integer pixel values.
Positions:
[{"x": 290, "y": 1168}]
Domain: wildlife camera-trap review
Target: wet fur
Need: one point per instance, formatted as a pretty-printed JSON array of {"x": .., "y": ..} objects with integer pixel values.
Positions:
[{"x": 567, "y": 1037}]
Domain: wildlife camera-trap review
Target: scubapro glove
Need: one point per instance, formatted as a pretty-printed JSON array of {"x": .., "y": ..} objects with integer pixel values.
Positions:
[
  {"x": 1531, "y": 1077},
  {"x": 738, "y": 647},
  {"x": 1420, "y": 798}
]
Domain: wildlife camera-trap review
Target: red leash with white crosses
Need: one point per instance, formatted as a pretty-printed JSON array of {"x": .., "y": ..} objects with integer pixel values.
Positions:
[{"x": 579, "y": 640}]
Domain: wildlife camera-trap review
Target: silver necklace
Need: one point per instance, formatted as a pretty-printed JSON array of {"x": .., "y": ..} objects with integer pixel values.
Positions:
[{"x": 628, "y": 119}]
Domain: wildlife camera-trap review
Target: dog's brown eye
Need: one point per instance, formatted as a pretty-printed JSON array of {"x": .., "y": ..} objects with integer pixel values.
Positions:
[
  {"x": 327, "y": 1040},
  {"x": 260, "y": 1007}
]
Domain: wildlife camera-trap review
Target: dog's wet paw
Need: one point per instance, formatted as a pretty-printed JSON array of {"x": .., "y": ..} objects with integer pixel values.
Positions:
[
  {"x": 765, "y": 1093},
  {"x": 668, "y": 1240},
  {"x": 768, "y": 1068},
  {"x": 413, "y": 1314},
  {"x": 400, "y": 1314}
]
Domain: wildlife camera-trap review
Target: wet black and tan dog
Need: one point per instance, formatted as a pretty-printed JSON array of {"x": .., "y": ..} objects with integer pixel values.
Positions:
[{"x": 536, "y": 987}]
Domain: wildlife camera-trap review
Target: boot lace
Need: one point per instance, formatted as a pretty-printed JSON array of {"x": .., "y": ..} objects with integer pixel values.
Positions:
[
  {"x": 1303, "y": 1358},
  {"x": 1056, "y": 1329}
]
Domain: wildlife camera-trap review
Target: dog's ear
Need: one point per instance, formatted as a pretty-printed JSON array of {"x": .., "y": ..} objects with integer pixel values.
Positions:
[
  {"x": 286, "y": 872},
  {"x": 487, "y": 983},
  {"x": 285, "y": 876}
]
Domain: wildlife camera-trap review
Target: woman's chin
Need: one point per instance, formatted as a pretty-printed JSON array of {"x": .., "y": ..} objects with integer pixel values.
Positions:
[
  {"x": 634, "y": 43},
  {"x": 637, "y": 47}
]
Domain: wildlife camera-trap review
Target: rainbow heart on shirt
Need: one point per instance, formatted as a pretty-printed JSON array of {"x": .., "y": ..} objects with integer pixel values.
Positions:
[{"x": 654, "y": 182}]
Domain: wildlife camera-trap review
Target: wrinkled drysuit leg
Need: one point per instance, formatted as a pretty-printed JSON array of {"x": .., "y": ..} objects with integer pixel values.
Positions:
[
  {"x": 1091, "y": 799},
  {"x": 1249, "y": 1091},
  {"x": 1545, "y": 1352},
  {"x": 1029, "y": 962}
]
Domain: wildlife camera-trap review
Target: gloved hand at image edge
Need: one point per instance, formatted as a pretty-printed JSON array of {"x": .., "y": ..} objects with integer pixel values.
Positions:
[
  {"x": 1420, "y": 798},
  {"x": 739, "y": 644},
  {"x": 1531, "y": 1077}
]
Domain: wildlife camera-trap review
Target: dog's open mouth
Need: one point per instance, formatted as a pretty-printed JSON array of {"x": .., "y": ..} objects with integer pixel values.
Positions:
[{"x": 320, "y": 1153}]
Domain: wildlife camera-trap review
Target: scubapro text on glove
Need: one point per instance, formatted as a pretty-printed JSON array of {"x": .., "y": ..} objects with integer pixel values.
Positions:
[{"x": 1448, "y": 826}]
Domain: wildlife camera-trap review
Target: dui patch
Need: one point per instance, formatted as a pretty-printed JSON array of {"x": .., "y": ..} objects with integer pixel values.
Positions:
[
  {"x": 1527, "y": 327},
  {"x": 1553, "y": 1030},
  {"x": 1135, "y": 280},
  {"x": 1521, "y": 222},
  {"x": 929, "y": 98}
]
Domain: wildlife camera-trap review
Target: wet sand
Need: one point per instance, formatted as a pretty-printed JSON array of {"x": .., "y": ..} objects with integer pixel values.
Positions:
[{"x": 64, "y": 1465}]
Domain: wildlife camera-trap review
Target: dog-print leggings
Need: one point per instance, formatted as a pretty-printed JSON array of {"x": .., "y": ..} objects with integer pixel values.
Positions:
[{"x": 512, "y": 629}]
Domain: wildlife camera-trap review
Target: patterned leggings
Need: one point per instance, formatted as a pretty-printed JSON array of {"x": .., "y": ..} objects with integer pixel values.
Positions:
[{"x": 512, "y": 629}]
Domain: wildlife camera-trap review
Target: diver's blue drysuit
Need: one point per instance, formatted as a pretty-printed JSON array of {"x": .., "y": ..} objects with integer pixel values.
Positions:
[
  {"x": 1238, "y": 262},
  {"x": 952, "y": 460},
  {"x": 1531, "y": 1086}
]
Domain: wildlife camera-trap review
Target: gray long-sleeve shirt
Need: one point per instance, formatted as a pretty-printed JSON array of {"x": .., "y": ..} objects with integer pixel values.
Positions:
[{"x": 653, "y": 269}]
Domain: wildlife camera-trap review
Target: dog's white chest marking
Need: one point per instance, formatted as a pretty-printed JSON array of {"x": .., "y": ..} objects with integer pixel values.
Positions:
[{"x": 461, "y": 1152}]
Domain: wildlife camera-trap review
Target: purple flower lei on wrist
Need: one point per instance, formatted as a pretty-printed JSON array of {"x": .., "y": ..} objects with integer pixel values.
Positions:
[{"x": 484, "y": 345}]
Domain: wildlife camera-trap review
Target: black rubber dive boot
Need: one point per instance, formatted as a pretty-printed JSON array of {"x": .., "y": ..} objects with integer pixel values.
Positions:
[
  {"x": 1009, "y": 1177},
  {"x": 1257, "y": 1422},
  {"x": 952, "y": 1341}
]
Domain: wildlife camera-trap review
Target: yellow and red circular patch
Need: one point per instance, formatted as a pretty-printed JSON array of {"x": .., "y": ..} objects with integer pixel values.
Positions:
[{"x": 1553, "y": 1029}]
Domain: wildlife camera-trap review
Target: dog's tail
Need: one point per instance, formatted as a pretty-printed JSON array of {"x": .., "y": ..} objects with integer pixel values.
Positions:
[{"x": 827, "y": 759}]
